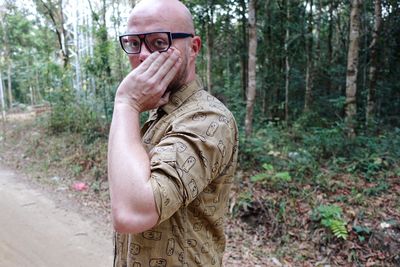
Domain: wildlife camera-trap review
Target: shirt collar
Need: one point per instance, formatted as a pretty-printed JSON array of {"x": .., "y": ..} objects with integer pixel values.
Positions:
[{"x": 181, "y": 95}]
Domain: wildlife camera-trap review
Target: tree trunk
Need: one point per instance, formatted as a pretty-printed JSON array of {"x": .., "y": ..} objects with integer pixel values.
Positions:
[
  {"x": 7, "y": 59},
  {"x": 251, "y": 90},
  {"x": 64, "y": 42},
  {"x": 268, "y": 55},
  {"x": 3, "y": 104},
  {"x": 244, "y": 61},
  {"x": 117, "y": 24},
  {"x": 330, "y": 48},
  {"x": 58, "y": 23},
  {"x": 287, "y": 73},
  {"x": 310, "y": 62},
  {"x": 3, "y": 107},
  {"x": 77, "y": 37},
  {"x": 352, "y": 68},
  {"x": 371, "y": 98},
  {"x": 210, "y": 46},
  {"x": 9, "y": 84}
]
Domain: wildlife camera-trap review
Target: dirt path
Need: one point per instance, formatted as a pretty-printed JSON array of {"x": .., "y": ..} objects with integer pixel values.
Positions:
[{"x": 36, "y": 232}]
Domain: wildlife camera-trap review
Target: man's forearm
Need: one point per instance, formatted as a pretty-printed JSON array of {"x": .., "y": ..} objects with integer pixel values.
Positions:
[{"x": 132, "y": 198}]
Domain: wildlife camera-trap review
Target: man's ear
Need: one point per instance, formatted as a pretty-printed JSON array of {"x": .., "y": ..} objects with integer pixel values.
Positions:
[{"x": 195, "y": 47}]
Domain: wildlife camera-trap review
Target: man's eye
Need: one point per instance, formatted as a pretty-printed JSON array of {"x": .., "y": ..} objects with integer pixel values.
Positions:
[
  {"x": 133, "y": 43},
  {"x": 160, "y": 43}
]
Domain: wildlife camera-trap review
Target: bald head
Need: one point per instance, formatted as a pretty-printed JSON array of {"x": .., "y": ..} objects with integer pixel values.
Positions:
[
  {"x": 171, "y": 15},
  {"x": 167, "y": 16}
]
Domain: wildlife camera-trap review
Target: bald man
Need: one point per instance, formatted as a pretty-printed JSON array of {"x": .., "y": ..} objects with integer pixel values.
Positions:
[{"x": 170, "y": 180}]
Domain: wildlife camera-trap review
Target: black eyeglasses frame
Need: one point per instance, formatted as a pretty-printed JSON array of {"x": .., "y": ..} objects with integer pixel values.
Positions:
[{"x": 142, "y": 38}]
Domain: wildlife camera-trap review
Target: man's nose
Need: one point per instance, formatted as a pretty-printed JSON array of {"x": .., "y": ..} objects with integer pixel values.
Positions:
[{"x": 144, "y": 52}]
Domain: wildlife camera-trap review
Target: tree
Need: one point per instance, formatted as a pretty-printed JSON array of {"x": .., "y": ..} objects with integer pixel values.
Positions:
[
  {"x": 371, "y": 98},
  {"x": 352, "y": 68},
  {"x": 209, "y": 42},
  {"x": 287, "y": 61},
  {"x": 310, "y": 61},
  {"x": 2, "y": 102},
  {"x": 252, "y": 82},
  {"x": 54, "y": 12},
  {"x": 7, "y": 54}
]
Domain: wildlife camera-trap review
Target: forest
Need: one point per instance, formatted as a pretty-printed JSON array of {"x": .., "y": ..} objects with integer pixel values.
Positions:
[{"x": 314, "y": 86}]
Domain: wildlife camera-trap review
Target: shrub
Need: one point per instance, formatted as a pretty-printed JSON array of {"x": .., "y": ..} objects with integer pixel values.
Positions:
[{"x": 77, "y": 118}]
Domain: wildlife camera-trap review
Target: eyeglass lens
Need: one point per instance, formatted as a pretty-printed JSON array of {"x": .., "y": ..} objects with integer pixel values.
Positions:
[{"x": 154, "y": 42}]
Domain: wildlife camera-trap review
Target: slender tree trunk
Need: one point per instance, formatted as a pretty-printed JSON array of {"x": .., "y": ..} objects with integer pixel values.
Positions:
[
  {"x": 287, "y": 61},
  {"x": 352, "y": 68},
  {"x": 3, "y": 104},
  {"x": 210, "y": 46},
  {"x": 318, "y": 34},
  {"x": 7, "y": 59},
  {"x": 268, "y": 55},
  {"x": 3, "y": 107},
  {"x": 117, "y": 24},
  {"x": 371, "y": 98},
  {"x": 310, "y": 62},
  {"x": 77, "y": 37},
  {"x": 9, "y": 84},
  {"x": 330, "y": 48},
  {"x": 251, "y": 90},
  {"x": 65, "y": 49},
  {"x": 244, "y": 61}
]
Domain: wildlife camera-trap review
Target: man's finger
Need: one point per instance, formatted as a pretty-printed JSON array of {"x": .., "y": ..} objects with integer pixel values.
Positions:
[
  {"x": 169, "y": 76},
  {"x": 161, "y": 67},
  {"x": 144, "y": 66}
]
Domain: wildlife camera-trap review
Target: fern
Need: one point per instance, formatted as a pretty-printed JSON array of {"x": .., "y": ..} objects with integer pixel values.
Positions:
[
  {"x": 338, "y": 228},
  {"x": 330, "y": 216}
]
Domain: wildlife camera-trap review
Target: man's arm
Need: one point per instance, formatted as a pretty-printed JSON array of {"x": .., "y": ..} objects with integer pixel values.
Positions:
[{"x": 132, "y": 198}]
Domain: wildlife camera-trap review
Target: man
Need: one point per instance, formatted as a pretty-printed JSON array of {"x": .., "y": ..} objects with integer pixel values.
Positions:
[{"x": 169, "y": 181}]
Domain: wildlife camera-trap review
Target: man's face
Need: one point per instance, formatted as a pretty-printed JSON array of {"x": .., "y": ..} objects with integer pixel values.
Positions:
[{"x": 145, "y": 25}]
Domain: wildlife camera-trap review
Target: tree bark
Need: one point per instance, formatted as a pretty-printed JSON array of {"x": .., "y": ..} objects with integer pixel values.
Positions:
[
  {"x": 77, "y": 37},
  {"x": 330, "y": 48},
  {"x": 352, "y": 68},
  {"x": 9, "y": 84},
  {"x": 3, "y": 104},
  {"x": 210, "y": 45},
  {"x": 287, "y": 61},
  {"x": 3, "y": 108},
  {"x": 65, "y": 49},
  {"x": 7, "y": 59},
  {"x": 310, "y": 62},
  {"x": 251, "y": 90},
  {"x": 371, "y": 97},
  {"x": 268, "y": 55},
  {"x": 244, "y": 61}
]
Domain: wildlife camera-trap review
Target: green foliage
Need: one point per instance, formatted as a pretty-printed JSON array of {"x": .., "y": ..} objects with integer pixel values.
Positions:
[
  {"x": 330, "y": 216},
  {"x": 362, "y": 232},
  {"x": 77, "y": 118},
  {"x": 270, "y": 174},
  {"x": 244, "y": 201}
]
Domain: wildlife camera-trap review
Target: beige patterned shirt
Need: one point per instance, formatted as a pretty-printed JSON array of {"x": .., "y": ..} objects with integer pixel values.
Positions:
[{"x": 192, "y": 142}]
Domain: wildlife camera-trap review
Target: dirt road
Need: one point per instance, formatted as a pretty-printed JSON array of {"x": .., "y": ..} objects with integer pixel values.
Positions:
[{"x": 37, "y": 232}]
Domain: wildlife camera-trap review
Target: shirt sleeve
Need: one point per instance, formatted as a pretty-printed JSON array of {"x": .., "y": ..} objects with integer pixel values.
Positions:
[{"x": 195, "y": 150}]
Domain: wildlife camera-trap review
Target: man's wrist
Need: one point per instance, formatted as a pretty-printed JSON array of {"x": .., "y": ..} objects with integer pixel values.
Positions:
[{"x": 124, "y": 103}]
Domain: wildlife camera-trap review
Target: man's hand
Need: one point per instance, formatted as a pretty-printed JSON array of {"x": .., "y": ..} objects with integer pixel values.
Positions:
[{"x": 144, "y": 87}]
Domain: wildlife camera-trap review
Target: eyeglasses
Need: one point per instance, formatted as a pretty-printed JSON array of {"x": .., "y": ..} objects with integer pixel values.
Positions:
[{"x": 154, "y": 41}]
